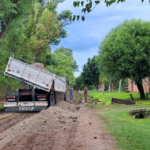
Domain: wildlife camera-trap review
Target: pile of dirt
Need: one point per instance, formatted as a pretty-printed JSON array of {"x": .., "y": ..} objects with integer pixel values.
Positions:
[
  {"x": 66, "y": 106},
  {"x": 52, "y": 119},
  {"x": 40, "y": 66}
]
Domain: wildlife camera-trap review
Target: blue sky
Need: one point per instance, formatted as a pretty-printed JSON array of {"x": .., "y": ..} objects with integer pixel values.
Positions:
[{"x": 84, "y": 38}]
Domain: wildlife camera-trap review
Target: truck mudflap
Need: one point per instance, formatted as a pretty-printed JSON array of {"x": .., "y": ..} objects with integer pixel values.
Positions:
[{"x": 25, "y": 108}]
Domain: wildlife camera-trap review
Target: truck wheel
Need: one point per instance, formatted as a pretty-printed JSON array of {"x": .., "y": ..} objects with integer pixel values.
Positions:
[
  {"x": 52, "y": 99},
  {"x": 65, "y": 96}
]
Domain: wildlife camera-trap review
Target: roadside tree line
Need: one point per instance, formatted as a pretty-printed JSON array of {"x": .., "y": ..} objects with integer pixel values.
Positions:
[
  {"x": 124, "y": 53},
  {"x": 28, "y": 29}
]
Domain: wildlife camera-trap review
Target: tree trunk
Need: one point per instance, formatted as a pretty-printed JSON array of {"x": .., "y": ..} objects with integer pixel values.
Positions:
[
  {"x": 98, "y": 87},
  {"x": 119, "y": 85},
  {"x": 141, "y": 90},
  {"x": 112, "y": 87},
  {"x": 109, "y": 85}
]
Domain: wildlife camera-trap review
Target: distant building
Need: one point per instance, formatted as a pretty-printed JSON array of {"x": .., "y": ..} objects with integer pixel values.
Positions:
[
  {"x": 102, "y": 87},
  {"x": 132, "y": 87}
]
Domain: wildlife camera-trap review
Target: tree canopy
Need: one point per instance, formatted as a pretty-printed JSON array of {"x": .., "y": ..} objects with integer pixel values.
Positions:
[
  {"x": 79, "y": 83},
  {"x": 91, "y": 72},
  {"x": 28, "y": 28},
  {"x": 33, "y": 30},
  {"x": 125, "y": 52},
  {"x": 89, "y": 76},
  {"x": 65, "y": 65}
]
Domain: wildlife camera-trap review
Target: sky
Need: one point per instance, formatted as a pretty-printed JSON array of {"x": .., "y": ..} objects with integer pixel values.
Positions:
[{"x": 85, "y": 37}]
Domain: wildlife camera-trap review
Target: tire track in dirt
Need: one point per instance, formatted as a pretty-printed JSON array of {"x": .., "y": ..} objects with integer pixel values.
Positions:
[
  {"x": 86, "y": 134},
  {"x": 10, "y": 119}
]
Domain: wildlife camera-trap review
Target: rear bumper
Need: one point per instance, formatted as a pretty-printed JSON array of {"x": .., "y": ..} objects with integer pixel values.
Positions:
[{"x": 25, "y": 108}]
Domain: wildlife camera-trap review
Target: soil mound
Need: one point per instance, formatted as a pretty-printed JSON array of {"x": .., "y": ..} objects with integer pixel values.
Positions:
[
  {"x": 57, "y": 118},
  {"x": 52, "y": 119},
  {"x": 40, "y": 66},
  {"x": 66, "y": 106}
]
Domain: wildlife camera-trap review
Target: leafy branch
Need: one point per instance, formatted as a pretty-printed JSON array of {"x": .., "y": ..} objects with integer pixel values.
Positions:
[{"x": 91, "y": 5}]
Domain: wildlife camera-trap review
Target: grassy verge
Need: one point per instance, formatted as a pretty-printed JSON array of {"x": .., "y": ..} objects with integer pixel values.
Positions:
[
  {"x": 1, "y": 107},
  {"x": 106, "y": 97},
  {"x": 130, "y": 133},
  {"x": 138, "y": 103}
]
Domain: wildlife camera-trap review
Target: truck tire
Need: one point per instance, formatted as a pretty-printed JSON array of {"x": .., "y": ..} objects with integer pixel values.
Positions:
[
  {"x": 65, "y": 96},
  {"x": 52, "y": 99}
]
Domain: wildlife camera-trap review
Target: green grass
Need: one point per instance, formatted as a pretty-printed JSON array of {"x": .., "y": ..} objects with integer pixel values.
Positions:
[
  {"x": 1, "y": 107},
  {"x": 138, "y": 103},
  {"x": 102, "y": 106},
  {"x": 130, "y": 133},
  {"x": 107, "y": 96}
]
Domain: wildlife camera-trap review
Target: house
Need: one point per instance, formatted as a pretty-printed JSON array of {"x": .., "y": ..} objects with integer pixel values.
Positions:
[{"x": 132, "y": 87}]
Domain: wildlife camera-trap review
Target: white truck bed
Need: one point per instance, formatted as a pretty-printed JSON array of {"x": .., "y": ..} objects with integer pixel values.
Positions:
[{"x": 33, "y": 76}]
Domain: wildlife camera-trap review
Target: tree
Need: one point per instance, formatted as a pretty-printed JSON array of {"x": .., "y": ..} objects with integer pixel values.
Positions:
[
  {"x": 79, "y": 83},
  {"x": 32, "y": 30},
  {"x": 63, "y": 19},
  {"x": 44, "y": 28},
  {"x": 125, "y": 52},
  {"x": 88, "y": 6},
  {"x": 69, "y": 53},
  {"x": 65, "y": 64},
  {"x": 11, "y": 11},
  {"x": 91, "y": 72},
  {"x": 41, "y": 33},
  {"x": 27, "y": 29},
  {"x": 119, "y": 88}
]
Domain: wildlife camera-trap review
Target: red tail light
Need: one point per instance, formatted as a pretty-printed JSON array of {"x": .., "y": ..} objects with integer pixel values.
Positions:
[
  {"x": 42, "y": 96},
  {"x": 8, "y": 70},
  {"x": 47, "y": 85},
  {"x": 10, "y": 96}
]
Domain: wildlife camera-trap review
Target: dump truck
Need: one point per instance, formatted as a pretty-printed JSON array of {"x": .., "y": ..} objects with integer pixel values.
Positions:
[{"x": 44, "y": 88}]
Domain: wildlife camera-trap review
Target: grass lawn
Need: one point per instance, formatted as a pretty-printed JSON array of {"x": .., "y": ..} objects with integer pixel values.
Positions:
[
  {"x": 1, "y": 106},
  {"x": 107, "y": 96},
  {"x": 130, "y": 133}
]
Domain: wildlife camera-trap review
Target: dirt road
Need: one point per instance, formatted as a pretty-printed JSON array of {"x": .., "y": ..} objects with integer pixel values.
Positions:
[
  {"x": 63, "y": 127},
  {"x": 85, "y": 134},
  {"x": 8, "y": 120}
]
